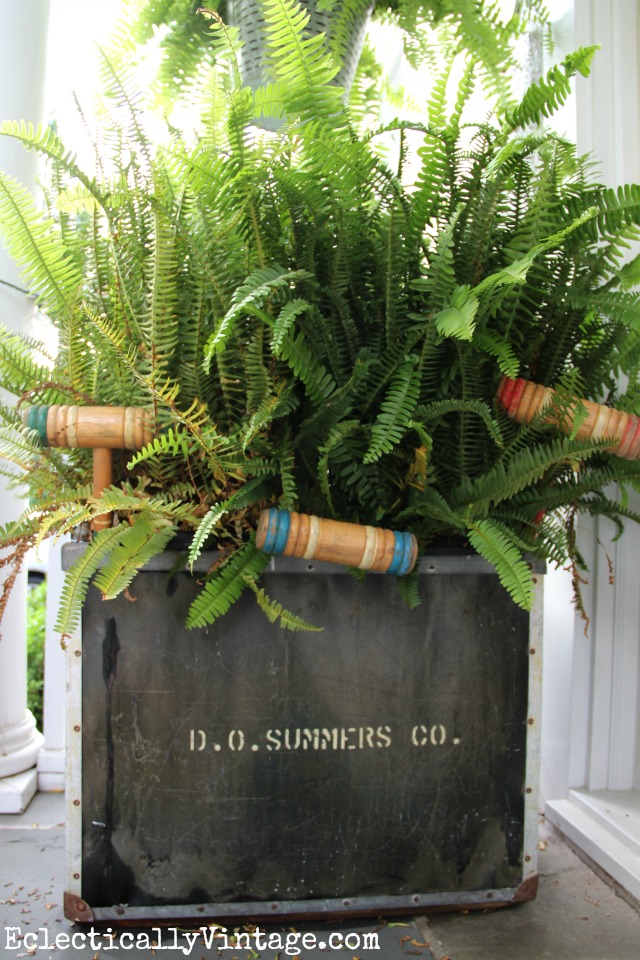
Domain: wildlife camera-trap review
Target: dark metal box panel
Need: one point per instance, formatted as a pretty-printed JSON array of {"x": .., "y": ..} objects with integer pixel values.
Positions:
[{"x": 387, "y": 763}]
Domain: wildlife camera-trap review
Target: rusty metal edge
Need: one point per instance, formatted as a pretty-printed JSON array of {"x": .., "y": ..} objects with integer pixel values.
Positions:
[
  {"x": 528, "y": 890},
  {"x": 77, "y": 909}
]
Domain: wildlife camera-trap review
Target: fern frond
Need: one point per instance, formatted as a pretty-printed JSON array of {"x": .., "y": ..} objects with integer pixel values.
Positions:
[
  {"x": 396, "y": 410},
  {"x": 335, "y": 437},
  {"x": 44, "y": 141},
  {"x": 250, "y": 299},
  {"x": 77, "y": 579},
  {"x": 63, "y": 520},
  {"x": 21, "y": 372},
  {"x": 431, "y": 506},
  {"x": 174, "y": 442},
  {"x": 500, "y": 349},
  {"x": 274, "y": 611},
  {"x": 31, "y": 241},
  {"x": 543, "y": 98},
  {"x": 136, "y": 545},
  {"x": 226, "y": 585},
  {"x": 287, "y": 462},
  {"x": 525, "y": 468},
  {"x": 282, "y": 403},
  {"x": 409, "y": 589},
  {"x": 457, "y": 318},
  {"x": 303, "y": 64},
  {"x": 251, "y": 492},
  {"x": 439, "y": 279},
  {"x": 19, "y": 446},
  {"x": 493, "y": 542},
  {"x": 441, "y": 408},
  {"x": 319, "y": 383},
  {"x": 285, "y": 320}
]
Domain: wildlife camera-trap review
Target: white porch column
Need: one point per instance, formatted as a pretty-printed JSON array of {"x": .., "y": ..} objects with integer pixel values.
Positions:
[
  {"x": 23, "y": 34},
  {"x": 51, "y": 763}
]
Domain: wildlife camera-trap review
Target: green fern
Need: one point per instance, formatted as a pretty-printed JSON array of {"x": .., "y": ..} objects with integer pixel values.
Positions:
[
  {"x": 311, "y": 326},
  {"x": 226, "y": 585},
  {"x": 249, "y": 299},
  {"x": 524, "y": 469},
  {"x": 77, "y": 580},
  {"x": 395, "y": 411},
  {"x": 443, "y": 407},
  {"x": 274, "y": 611},
  {"x": 136, "y": 546},
  {"x": 55, "y": 279},
  {"x": 252, "y": 492},
  {"x": 494, "y": 543},
  {"x": 304, "y": 65},
  {"x": 545, "y": 97}
]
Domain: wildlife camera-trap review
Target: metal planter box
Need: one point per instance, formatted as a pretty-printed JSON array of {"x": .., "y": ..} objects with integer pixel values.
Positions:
[{"x": 388, "y": 764}]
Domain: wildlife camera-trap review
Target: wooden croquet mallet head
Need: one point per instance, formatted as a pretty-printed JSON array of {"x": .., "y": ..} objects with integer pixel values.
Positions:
[
  {"x": 524, "y": 401},
  {"x": 101, "y": 429},
  {"x": 290, "y": 534}
]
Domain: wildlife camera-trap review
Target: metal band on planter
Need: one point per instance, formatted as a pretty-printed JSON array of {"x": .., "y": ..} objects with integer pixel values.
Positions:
[
  {"x": 333, "y": 541},
  {"x": 101, "y": 429},
  {"x": 523, "y": 401}
]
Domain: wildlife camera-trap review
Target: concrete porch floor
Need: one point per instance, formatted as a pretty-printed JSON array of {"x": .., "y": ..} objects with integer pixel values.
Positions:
[{"x": 576, "y": 914}]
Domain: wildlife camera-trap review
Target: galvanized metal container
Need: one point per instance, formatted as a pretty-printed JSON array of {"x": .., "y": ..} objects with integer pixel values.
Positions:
[{"x": 388, "y": 764}]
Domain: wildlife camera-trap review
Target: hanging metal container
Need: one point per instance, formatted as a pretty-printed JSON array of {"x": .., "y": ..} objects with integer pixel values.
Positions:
[{"x": 344, "y": 25}]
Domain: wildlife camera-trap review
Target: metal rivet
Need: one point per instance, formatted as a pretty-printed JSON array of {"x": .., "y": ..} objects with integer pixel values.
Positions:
[
  {"x": 77, "y": 728},
  {"x": 529, "y": 790},
  {"x": 76, "y": 876},
  {"x": 532, "y": 651},
  {"x": 527, "y": 858},
  {"x": 78, "y": 653},
  {"x": 76, "y": 803},
  {"x": 531, "y": 721},
  {"x": 274, "y": 906}
]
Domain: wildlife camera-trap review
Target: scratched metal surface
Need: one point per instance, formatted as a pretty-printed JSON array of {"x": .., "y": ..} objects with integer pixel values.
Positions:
[{"x": 378, "y": 759}]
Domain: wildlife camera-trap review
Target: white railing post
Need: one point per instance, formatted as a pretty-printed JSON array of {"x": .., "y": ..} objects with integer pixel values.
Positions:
[{"x": 23, "y": 36}]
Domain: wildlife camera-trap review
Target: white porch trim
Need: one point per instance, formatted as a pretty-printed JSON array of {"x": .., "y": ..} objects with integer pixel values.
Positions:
[{"x": 591, "y": 768}]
